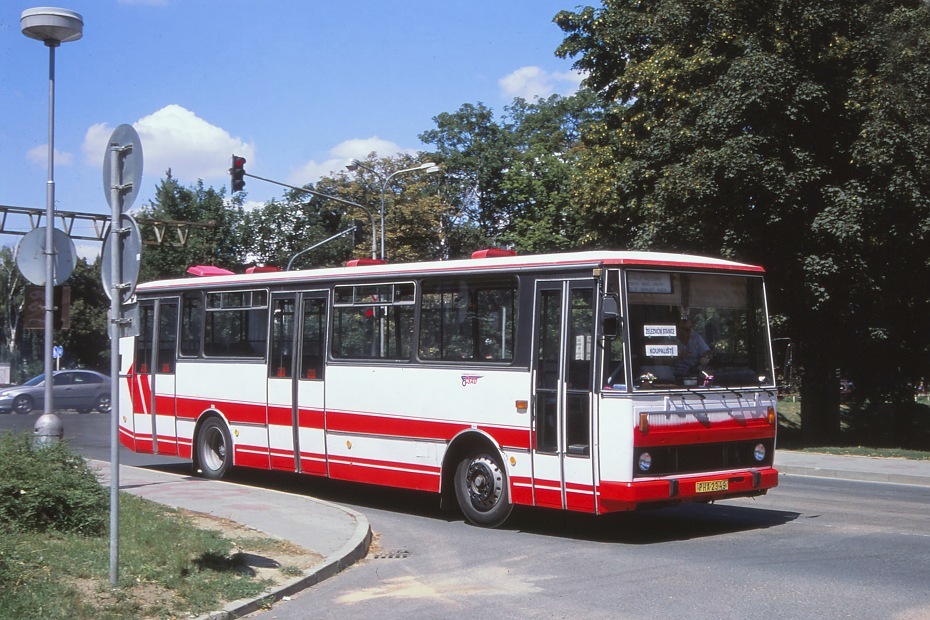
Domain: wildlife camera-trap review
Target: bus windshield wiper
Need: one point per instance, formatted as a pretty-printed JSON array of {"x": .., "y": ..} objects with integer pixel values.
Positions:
[{"x": 695, "y": 392}]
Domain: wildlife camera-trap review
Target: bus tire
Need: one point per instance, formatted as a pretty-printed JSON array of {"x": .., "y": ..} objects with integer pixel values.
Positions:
[
  {"x": 482, "y": 490},
  {"x": 214, "y": 449}
]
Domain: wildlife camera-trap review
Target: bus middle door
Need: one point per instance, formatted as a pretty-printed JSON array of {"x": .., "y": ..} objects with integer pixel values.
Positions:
[
  {"x": 296, "y": 389},
  {"x": 563, "y": 375}
]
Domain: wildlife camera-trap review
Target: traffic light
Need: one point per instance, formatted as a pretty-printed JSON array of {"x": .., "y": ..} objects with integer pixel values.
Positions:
[
  {"x": 358, "y": 235},
  {"x": 237, "y": 173}
]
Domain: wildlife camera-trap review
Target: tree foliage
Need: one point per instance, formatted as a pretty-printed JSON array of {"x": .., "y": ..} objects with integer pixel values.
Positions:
[
  {"x": 509, "y": 180},
  {"x": 791, "y": 133},
  {"x": 86, "y": 341},
  {"x": 175, "y": 205},
  {"x": 281, "y": 229},
  {"x": 419, "y": 222}
]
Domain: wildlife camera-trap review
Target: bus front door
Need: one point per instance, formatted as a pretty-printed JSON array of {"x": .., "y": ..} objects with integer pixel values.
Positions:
[
  {"x": 296, "y": 415},
  {"x": 152, "y": 386},
  {"x": 563, "y": 376}
]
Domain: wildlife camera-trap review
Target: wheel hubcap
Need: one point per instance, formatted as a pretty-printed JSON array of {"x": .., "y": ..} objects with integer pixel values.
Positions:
[
  {"x": 216, "y": 450},
  {"x": 485, "y": 483}
]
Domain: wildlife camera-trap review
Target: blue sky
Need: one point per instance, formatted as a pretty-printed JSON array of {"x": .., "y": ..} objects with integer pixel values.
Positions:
[{"x": 297, "y": 87}]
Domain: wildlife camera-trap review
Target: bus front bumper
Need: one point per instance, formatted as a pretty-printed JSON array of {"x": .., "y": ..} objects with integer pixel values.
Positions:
[{"x": 644, "y": 493}]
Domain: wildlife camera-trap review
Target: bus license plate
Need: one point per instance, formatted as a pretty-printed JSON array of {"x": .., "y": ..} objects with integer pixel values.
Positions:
[{"x": 710, "y": 486}]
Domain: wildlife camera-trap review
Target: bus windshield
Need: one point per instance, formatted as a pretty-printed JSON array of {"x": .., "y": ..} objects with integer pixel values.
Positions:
[{"x": 692, "y": 331}]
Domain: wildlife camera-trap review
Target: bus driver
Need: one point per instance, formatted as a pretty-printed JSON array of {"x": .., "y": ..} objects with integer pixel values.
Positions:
[{"x": 693, "y": 352}]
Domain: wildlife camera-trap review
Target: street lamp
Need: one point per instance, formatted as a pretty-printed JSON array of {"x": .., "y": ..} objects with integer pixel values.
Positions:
[
  {"x": 428, "y": 167},
  {"x": 53, "y": 27}
]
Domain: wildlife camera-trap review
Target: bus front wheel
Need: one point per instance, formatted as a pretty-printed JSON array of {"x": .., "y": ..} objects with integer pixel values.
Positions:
[
  {"x": 482, "y": 491},
  {"x": 214, "y": 449}
]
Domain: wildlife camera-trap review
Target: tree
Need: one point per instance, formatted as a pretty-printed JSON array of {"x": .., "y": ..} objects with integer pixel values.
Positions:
[
  {"x": 281, "y": 229},
  {"x": 510, "y": 179},
  {"x": 473, "y": 150},
  {"x": 538, "y": 179},
  {"x": 792, "y": 133},
  {"x": 12, "y": 285},
  {"x": 419, "y": 222},
  {"x": 221, "y": 245},
  {"x": 86, "y": 342}
]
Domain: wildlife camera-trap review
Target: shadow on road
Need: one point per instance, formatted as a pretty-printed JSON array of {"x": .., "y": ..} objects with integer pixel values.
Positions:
[
  {"x": 675, "y": 523},
  {"x": 683, "y": 522}
]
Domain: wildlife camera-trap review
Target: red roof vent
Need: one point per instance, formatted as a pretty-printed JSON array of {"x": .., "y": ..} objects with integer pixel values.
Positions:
[
  {"x": 266, "y": 269},
  {"x": 365, "y": 262},
  {"x": 493, "y": 253},
  {"x": 208, "y": 270}
]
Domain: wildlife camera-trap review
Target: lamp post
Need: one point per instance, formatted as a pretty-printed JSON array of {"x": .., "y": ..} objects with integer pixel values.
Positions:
[
  {"x": 429, "y": 167},
  {"x": 53, "y": 27}
]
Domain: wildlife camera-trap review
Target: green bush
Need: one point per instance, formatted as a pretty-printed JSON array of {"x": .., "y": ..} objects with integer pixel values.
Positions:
[{"x": 49, "y": 487}]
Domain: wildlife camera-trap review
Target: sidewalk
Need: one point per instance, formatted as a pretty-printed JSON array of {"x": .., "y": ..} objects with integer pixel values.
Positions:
[
  {"x": 342, "y": 536},
  {"x": 863, "y": 468}
]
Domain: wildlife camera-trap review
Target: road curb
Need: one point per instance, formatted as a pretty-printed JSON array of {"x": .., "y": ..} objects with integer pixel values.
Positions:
[
  {"x": 860, "y": 476},
  {"x": 354, "y": 549},
  {"x": 351, "y": 552}
]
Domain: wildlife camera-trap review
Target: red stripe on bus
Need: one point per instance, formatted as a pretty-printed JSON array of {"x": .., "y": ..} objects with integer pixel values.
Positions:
[
  {"x": 697, "y": 433},
  {"x": 310, "y": 418},
  {"x": 415, "y": 428},
  {"x": 384, "y": 473}
]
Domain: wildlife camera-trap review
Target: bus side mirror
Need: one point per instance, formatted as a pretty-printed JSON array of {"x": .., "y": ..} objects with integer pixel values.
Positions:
[{"x": 610, "y": 322}]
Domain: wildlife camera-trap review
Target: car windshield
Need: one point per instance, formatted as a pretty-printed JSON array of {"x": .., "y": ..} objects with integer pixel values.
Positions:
[
  {"x": 692, "y": 331},
  {"x": 35, "y": 380}
]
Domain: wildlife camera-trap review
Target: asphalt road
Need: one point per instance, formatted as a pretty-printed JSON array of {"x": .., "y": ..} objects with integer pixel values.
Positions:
[{"x": 811, "y": 548}]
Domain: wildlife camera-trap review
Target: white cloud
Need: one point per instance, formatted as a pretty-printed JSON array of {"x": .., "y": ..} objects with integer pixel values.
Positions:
[
  {"x": 252, "y": 205},
  {"x": 176, "y": 138},
  {"x": 343, "y": 154},
  {"x": 39, "y": 155},
  {"x": 531, "y": 82},
  {"x": 88, "y": 250}
]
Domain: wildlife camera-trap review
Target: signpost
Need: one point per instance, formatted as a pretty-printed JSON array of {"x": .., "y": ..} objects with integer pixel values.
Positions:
[{"x": 122, "y": 177}]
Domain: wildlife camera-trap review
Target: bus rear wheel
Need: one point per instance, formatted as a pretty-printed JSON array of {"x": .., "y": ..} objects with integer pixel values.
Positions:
[
  {"x": 214, "y": 449},
  {"x": 482, "y": 490}
]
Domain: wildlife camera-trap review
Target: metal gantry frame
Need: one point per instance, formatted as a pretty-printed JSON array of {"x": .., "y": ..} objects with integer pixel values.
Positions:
[{"x": 100, "y": 223}]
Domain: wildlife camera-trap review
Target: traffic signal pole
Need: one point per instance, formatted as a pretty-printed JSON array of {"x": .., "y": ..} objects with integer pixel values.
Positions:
[{"x": 237, "y": 173}]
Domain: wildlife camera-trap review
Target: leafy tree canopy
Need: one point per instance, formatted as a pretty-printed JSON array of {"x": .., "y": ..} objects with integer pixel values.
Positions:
[
  {"x": 170, "y": 257},
  {"x": 510, "y": 179},
  {"x": 792, "y": 133}
]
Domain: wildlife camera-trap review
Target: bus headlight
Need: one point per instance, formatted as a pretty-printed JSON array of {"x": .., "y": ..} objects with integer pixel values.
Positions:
[
  {"x": 645, "y": 461},
  {"x": 759, "y": 452}
]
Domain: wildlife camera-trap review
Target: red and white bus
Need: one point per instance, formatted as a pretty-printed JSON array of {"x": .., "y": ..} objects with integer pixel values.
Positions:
[{"x": 591, "y": 381}]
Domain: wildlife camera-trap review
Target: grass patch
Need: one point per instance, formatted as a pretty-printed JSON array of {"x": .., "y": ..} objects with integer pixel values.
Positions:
[
  {"x": 866, "y": 429},
  {"x": 168, "y": 567},
  {"x": 900, "y": 453}
]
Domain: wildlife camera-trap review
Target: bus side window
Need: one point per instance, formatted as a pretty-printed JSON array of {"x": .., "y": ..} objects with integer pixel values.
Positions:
[
  {"x": 144, "y": 341},
  {"x": 612, "y": 336},
  {"x": 167, "y": 337},
  {"x": 191, "y": 324},
  {"x": 282, "y": 338},
  {"x": 314, "y": 335}
]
